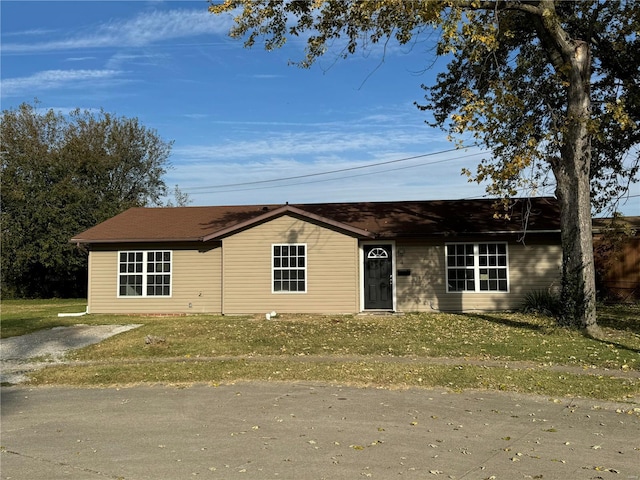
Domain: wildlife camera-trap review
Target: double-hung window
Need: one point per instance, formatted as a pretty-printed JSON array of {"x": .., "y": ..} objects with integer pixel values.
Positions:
[
  {"x": 477, "y": 267},
  {"x": 144, "y": 274},
  {"x": 289, "y": 270}
]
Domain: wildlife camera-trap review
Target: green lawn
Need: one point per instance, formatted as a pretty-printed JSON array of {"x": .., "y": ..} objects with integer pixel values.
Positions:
[
  {"x": 394, "y": 351},
  {"x": 18, "y": 317}
]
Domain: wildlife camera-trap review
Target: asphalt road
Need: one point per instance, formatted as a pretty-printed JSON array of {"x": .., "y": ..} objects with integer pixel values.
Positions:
[{"x": 311, "y": 431}]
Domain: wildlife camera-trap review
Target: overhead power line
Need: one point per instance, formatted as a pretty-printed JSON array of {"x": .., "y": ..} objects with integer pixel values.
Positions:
[
  {"x": 265, "y": 187},
  {"x": 341, "y": 170}
]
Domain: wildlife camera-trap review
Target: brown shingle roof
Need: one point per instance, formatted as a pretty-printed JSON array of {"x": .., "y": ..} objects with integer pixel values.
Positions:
[{"x": 364, "y": 219}]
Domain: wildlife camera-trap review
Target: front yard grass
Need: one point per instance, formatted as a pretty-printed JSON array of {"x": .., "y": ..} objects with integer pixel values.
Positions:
[
  {"x": 383, "y": 350},
  {"x": 19, "y": 317}
]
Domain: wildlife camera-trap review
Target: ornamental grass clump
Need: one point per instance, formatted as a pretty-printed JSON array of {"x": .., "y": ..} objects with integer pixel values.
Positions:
[{"x": 542, "y": 302}]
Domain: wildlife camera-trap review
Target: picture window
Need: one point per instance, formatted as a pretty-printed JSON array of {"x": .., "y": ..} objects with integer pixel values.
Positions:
[
  {"x": 144, "y": 274},
  {"x": 477, "y": 267}
]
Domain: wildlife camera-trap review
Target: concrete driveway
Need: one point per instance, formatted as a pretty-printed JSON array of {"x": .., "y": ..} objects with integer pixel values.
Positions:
[
  {"x": 25, "y": 353},
  {"x": 311, "y": 431}
]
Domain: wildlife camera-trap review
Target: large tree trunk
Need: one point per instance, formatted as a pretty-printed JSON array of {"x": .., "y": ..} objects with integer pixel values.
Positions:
[
  {"x": 573, "y": 191},
  {"x": 578, "y": 273}
]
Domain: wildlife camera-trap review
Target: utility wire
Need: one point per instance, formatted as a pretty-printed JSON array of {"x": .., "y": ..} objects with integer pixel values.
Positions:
[
  {"x": 191, "y": 189},
  {"x": 334, "y": 179}
]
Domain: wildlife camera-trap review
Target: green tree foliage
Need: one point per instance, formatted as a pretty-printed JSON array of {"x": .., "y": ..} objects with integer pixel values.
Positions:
[
  {"x": 62, "y": 174},
  {"x": 510, "y": 89},
  {"x": 550, "y": 87}
]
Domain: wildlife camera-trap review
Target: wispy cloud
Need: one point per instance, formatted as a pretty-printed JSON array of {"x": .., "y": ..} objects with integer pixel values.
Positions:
[
  {"x": 292, "y": 144},
  {"x": 118, "y": 60},
  {"x": 79, "y": 59},
  {"x": 395, "y": 119},
  {"x": 28, "y": 33},
  {"x": 266, "y": 76},
  {"x": 403, "y": 169},
  {"x": 145, "y": 29},
  {"x": 51, "y": 79},
  {"x": 427, "y": 178},
  {"x": 195, "y": 116}
]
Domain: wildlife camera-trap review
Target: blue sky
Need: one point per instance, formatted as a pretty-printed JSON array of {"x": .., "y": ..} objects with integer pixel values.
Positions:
[{"x": 247, "y": 127}]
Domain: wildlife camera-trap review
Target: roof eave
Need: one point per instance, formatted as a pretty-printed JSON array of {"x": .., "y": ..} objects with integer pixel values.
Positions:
[
  {"x": 84, "y": 241},
  {"x": 467, "y": 233},
  {"x": 506, "y": 232}
]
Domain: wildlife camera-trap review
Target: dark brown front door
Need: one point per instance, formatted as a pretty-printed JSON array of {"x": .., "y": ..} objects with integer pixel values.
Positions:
[{"x": 378, "y": 277}]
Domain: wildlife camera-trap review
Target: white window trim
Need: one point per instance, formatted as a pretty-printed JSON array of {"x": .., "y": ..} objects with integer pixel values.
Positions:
[
  {"x": 144, "y": 274},
  {"x": 476, "y": 268},
  {"x": 306, "y": 264}
]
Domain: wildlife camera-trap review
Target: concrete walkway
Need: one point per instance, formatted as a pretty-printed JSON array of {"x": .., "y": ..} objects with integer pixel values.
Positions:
[{"x": 311, "y": 431}]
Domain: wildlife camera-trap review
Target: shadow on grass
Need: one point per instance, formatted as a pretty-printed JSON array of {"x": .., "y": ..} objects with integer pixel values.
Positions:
[
  {"x": 509, "y": 322},
  {"x": 622, "y": 323},
  {"x": 617, "y": 345},
  {"x": 620, "y": 317},
  {"x": 623, "y": 318}
]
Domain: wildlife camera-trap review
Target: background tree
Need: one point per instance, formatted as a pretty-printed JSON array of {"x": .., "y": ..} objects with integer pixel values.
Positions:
[
  {"x": 547, "y": 86},
  {"x": 62, "y": 174}
]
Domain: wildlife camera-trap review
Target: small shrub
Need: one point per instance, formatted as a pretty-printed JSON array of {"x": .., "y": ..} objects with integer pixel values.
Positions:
[{"x": 542, "y": 302}]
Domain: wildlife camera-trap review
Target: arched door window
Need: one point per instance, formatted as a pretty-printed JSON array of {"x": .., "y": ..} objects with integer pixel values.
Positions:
[{"x": 378, "y": 253}]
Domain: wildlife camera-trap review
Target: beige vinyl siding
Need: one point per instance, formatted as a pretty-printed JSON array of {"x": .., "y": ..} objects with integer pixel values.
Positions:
[
  {"x": 532, "y": 266},
  {"x": 332, "y": 269},
  {"x": 195, "y": 280}
]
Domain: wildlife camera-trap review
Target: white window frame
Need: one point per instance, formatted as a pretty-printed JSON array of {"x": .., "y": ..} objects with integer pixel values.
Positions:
[
  {"x": 145, "y": 273},
  {"x": 288, "y": 268},
  {"x": 476, "y": 267}
]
